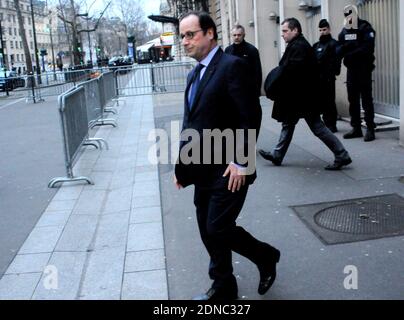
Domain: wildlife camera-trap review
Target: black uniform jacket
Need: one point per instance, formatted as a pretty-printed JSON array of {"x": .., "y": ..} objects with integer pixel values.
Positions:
[
  {"x": 328, "y": 62},
  {"x": 357, "y": 47}
]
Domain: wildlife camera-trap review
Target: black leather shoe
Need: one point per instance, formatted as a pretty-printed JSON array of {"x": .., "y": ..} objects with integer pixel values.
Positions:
[
  {"x": 370, "y": 135},
  {"x": 269, "y": 156},
  {"x": 354, "y": 133},
  {"x": 338, "y": 164},
  {"x": 217, "y": 294},
  {"x": 268, "y": 271}
]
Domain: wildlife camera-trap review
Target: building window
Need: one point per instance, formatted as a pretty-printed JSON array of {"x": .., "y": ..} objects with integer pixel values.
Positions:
[
  {"x": 29, "y": 20},
  {"x": 31, "y": 45},
  {"x": 22, "y": 57},
  {"x": 15, "y": 31},
  {"x": 10, "y": 31},
  {"x": 16, "y": 44},
  {"x": 21, "y": 44},
  {"x": 11, "y": 44},
  {"x": 18, "y": 57},
  {"x": 1, "y": 15},
  {"x": 30, "y": 33},
  {"x": 9, "y": 18},
  {"x": 12, "y": 58},
  {"x": 14, "y": 18}
]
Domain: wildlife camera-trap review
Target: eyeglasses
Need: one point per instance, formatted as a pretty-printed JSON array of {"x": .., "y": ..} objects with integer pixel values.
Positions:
[{"x": 189, "y": 34}]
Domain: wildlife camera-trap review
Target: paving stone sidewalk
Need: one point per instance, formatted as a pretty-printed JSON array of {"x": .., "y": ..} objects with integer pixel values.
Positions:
[{"x": 101, "y": 241}]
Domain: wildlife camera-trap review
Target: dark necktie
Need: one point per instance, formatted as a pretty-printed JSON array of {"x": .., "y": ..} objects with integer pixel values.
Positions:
[{"x": 196, "y": 79}]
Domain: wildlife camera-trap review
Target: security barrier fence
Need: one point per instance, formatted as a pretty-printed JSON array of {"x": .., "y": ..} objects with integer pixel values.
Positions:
[
  {"x": 83, "y": 105},
  {"x": 74, "y": 122},
  {"x": 81, "y": 108},
  {"x": 154, "y": 78},
  {"x": 35, "y": 87}
]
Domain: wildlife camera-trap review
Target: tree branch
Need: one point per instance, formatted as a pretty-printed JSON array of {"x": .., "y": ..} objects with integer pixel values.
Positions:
[
  {"x": 64, "y": 20},
  {"x": 97, "y": 23}
]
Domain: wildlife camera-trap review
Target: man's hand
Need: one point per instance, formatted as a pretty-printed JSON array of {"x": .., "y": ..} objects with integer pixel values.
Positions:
[
  {"x": 237, "y": 177},
  {"x": 177, "y": 185}
]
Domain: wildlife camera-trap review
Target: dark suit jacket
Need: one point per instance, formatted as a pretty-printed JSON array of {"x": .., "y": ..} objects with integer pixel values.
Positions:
[
  {"x": 222, "y": 102},
  {"x": 299, "y": 82},
  {"x": 250, "y": 54}
]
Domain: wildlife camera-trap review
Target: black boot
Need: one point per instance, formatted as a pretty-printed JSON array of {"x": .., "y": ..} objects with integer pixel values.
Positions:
[
  {"x": 356, "y": 132},
  {"x": 370, "y": 135},
  {"x": 269, "y": 156}
]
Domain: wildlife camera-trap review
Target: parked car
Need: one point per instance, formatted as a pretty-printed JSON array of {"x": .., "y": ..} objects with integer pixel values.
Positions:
[
  {"x": 10, "y": 80},
  {"x": 18, "y": 80}
]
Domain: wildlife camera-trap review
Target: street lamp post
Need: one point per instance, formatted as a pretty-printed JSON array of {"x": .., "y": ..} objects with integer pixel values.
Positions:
[
  {"x": 2, "y": 59},
  {"x": 38, "y": 68},
  {"x": 51, "y": 40},
  {"x": 89, "y": 43}
]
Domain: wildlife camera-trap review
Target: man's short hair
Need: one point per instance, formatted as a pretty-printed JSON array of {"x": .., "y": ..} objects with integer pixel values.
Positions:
[
  {"x": 239, "y": 26},
  {"x": 205, "y": 21},
  {"x": 323, "y": 24},
  {"x": 293, "y": 23}
]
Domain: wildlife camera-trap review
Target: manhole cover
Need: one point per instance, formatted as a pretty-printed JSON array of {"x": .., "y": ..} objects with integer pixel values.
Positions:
[
  {"x": 354, "y": 219},
  {"x": 362, "y": 218}
]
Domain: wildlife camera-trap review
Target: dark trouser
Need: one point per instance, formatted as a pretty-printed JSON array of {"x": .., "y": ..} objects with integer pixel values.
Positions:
[
  {"x": 320, "y": 131},
  {"x": 330, "y": 113},
  {"x": 217, "y": 211},
  {"x": 359, "y": 85}
]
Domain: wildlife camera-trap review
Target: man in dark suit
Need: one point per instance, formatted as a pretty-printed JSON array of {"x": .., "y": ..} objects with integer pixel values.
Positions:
[
  {"x": 246, "y": 51},
  {"x": 297, "y": 100},
  {"x": 217, "y": 98}
]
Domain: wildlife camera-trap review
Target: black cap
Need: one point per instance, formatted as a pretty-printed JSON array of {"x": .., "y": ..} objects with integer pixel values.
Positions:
[{"x": 323, "y": 24}]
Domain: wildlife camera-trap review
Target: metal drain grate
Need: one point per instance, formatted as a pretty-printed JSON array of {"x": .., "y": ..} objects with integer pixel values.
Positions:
[
  {"x": 362, "y": 218},
  {"x": 355, "y": 220}
]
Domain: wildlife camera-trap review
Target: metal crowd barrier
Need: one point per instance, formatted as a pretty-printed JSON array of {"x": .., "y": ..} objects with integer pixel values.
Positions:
[
  {"x": 106, "y": 85},
  {"x": 81, "y": 109},
  {"x": 94, "y": 110},
  {"x": 74, "y": 122},
  {"x": 155, "y": 78}
]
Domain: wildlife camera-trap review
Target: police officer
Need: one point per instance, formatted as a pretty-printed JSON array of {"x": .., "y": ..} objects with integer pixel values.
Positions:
[
  {"x": 329, "y": 67},
  {"x": 356, "y": 47},
  {"x": 251, "y": 56}
]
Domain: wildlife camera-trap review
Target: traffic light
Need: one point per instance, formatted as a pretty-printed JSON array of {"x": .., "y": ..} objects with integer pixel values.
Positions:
[{"x": 44, "y": 52}]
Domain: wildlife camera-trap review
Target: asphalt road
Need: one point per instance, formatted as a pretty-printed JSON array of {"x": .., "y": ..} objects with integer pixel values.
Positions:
[{"x": 31, "y": 154}]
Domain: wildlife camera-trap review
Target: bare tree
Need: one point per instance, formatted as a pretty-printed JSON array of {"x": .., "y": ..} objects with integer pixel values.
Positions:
[
  {"x": 27, "y": 54},
  {"x": 69, "y": 15},
  {"x": 133, "y": 17}
]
